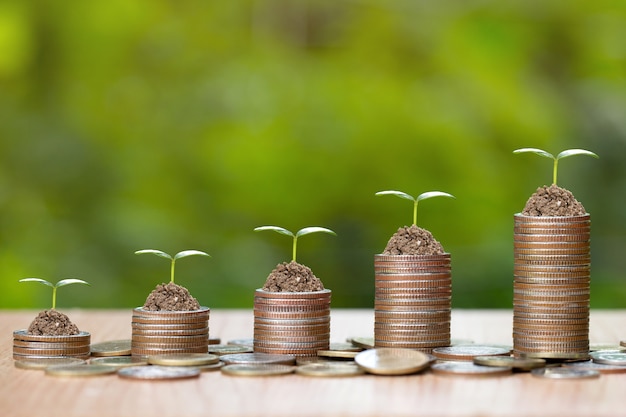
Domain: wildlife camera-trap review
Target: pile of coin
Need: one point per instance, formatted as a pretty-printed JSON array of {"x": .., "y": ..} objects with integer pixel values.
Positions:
[
  {"x": 412, "y": 301},
  {"x": 169, "y": 332},
  {"x": 551, "y": 287},
  {"x": 291, "y": 323},
  {"x": 29, "y": 346}
]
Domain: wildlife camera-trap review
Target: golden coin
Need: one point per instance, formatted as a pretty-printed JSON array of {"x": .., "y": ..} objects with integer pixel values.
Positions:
[
  {"x": 362, "y": 342},
  {"x": 257, "y": 369},
  {"x": 468, "y": 369},
  {"x": 210, "y": 367},
  {"x": 118, "y": 361},
  {"x": 187, "y": 359},
  {"x": 79, "y": 370},
  {"x": 343, "y": 354},
  {"x": 228, "y": 349},
  {"x": 156, "y": 372},
  {"x": 547, "y": 354},
  {"x": 330, "y": 369},
  {"x": 40, "y": 364},
  {"x": 111, "y": 348},
  {"x": 564, "y": 373},
  {"x": 510, "y": 362},
  {"x": 392, "y": 361},
  {"x": 468, "y": 352},
  {"x": 258, "y": 359}
]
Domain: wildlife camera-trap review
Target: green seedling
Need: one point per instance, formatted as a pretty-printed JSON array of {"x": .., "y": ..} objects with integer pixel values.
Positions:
[
  {"x": 415, "y": 201},
  {"x": 564, "y": 154},
  {"x": 61, "y": 283},
  {"x": 173, "y": 259},
  {"x": 301, "y": 232}
]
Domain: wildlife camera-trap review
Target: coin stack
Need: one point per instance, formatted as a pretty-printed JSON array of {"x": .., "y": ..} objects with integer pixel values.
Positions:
[
  {"x": 29, "y": 346},
  {"x": 165, "y": 332},
  {"x": 551, "y": 286},
  {"x": 412, "y": 301},
  {"x": 291, "y": 323}
]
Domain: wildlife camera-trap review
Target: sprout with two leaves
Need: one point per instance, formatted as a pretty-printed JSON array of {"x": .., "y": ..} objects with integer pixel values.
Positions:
[
  {"x": 295, "y": 236},
  {"x": 566, "y": 153},
  {"x": 415, "y": 200},
  {"x": 172, "y": 259},
  {"x": 61, "y": 283}
]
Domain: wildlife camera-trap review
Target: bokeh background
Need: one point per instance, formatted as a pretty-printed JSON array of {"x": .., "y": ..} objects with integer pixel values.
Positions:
[{"x": 176, "y": 125}]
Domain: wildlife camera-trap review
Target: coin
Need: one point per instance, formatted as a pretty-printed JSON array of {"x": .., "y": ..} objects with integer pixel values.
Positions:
[
  {"x": 156, "y": 372},
  {"x": 46, "y": 362},
  {"x": 330, "y": 369},
  {"x": 594, "y": 366},
  {"x": 605, "y": 346},
  {"x": 308, "y": 294},
  {"x": 553, "y": 353},
  {"x": 258, "y": 359},
  {"x": 228, "y": 349},
  {"x": 79, "y": 370},
  {"x": 118, "y": 361},
  {"x": 187, "y": 359},
  {"x": 257, "y": 369},
  {"x": 242, "y": 342},
  {"x": 564, "y": 373},
  {"x": 468, "y": 369},
  {"x": 81, "y": 337},
  {"x": 214, "y": 340},
  {"x": 344, "y": 354},
  {"x": 468, "y": 352},
  {"x": 392, "y": 361},
  {"x": 210, "y": 367},
  {"x": 171, "y": 314},
  {"x": 510, "y": 362},
  {"x": 362, "y": 342},
  {"x": 609, "y": 357},
  {"x": 111, "y": 348}
]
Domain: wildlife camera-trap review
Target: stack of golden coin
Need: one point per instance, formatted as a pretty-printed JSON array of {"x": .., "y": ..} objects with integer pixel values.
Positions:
[
  {"x": 291, "y": 323},
  {"x": 167, "y": 332},
  {"x": 29, "y": 346},
  {"x": 551, "y": 287},
  {"x": 412, "y": 301}
]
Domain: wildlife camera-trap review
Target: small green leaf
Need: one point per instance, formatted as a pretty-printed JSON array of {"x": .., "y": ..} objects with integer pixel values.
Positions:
[
  {"x": 431, "y": 194},
  {"x": 397, "y": 194},
  {"x": 69, "y": 281},
  {"x": 154, "y": 252},
  {"x": 570, "y": 152},
  {"x": 275, "y": 229},
  {"x": 537, "y": 151},
  {"x": 39, "y": 280},
  {"x": 314, "y": 229},
  {"x": 186, "y": 253}
]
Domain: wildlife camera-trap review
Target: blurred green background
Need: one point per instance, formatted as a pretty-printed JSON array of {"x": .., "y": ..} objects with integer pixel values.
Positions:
[{"x": 176, "y": 125}]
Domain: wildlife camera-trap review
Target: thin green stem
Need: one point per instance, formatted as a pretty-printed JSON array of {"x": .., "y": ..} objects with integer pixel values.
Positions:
[
  {"x": 54, "y": 297},
  {"x": 172, "y": 270},
  {"x": 554, "y": 170},
  {"x": 293, "y": 251},
  {"x": 415, "y": 212}
]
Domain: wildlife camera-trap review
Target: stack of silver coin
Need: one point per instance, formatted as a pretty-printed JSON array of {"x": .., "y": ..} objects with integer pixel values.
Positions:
[
  {"x": 291, "y": 323},
  {"x": 412, "y": 301},
  {"x": 551, "y": 286},
  {"x": 166, "y": 332},
  {"x": 30, "y": 346}
]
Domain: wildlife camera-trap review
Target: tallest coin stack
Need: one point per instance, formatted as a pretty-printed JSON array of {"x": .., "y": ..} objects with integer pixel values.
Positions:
[{"x": 551, "y": 286}]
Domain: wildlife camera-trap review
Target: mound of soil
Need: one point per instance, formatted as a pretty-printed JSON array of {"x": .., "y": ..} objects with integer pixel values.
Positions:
[
  {"x": 413, "y": 240},
  {"x": 553, "y": 201},
  {"x": 170, "y": 297},
  {"x": 52, "y": 323},
  {"x": 292, "y": 277}
]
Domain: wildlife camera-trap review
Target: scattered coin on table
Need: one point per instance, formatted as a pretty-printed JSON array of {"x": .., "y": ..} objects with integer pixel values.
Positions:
[
  {"x": 564, "y": 373},
  {"x": 43, "y": 363},
  {"x": 79, "y": 370},
  {"x": 524, "y": 364},
  {"x": 330, "y": 369},
  {"x": 468, "y": 352},
  {"x": 466, "y": 368},
  {"x": 111, "y": 348},
  {"x": 258, "y": 359},
  {"x": 228, "y": 349},
  {"x": 183, "y": 359},
  {"x": 241, "y": 369},
  {"x": 119, "y": 361},
  {"x": 609, "y": 357},
  {"x": 157, "y": 372},
  {"x": 594, "y": 366},
  {"x": 392, "y": 361}
]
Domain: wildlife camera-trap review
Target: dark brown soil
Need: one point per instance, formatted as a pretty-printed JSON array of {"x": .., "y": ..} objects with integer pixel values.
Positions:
[
  {"x": 553, "y": 201},
  {"x": 413, "y": 240},
  {"x": 52, "y": 323},
  {"x": 170, "y": 297},
  {"x": 292, "y": 277}
]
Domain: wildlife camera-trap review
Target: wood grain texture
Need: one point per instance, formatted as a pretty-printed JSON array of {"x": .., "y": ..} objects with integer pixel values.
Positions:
[{"x": 31, "y": 393}]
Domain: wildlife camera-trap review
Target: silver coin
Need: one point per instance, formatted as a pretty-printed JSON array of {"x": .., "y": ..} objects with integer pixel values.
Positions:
[
  {"x": 469, "y": 369},
  {"x": 258, "y": 359},
  {"x": 156, "y": 372},
  {"x": 392, "y": 361},
  {"x": 564, "y": 373},
  {"x": 229, "y": 349},
  {"x": 468, "y": 352},
  {"x": 600, "y": 367},
  {"x": 609, "y": 357},
  {"x": 249, "y": 369}
]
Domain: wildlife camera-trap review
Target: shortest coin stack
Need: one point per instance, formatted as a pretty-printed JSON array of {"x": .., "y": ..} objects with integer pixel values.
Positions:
[
  {"x": 169, "y": 332},
  {"x": 29, "y": 346}
]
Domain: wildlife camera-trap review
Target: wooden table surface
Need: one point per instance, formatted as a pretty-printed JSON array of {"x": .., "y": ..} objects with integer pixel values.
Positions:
[{"x": 32, "y": 393}]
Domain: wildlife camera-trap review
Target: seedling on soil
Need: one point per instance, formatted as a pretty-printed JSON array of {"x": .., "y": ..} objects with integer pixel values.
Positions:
[
  {"x": 564, "y": 154},
  {"x": 61, "y": 283},
  {"x": 415, "y": 201},
  {"x": 173, "y": 259},
  {"x": 301, "y": 232}
]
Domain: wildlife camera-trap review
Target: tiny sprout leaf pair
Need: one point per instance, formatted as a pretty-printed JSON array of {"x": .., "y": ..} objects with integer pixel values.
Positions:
[
  {"x": 61, "y": 283},
  {"x": 301, "y": 232},
  {"x": 417, "y": 199},
  {"x": 179, "y": 255},
  {"x": 566, "y": 153}
]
